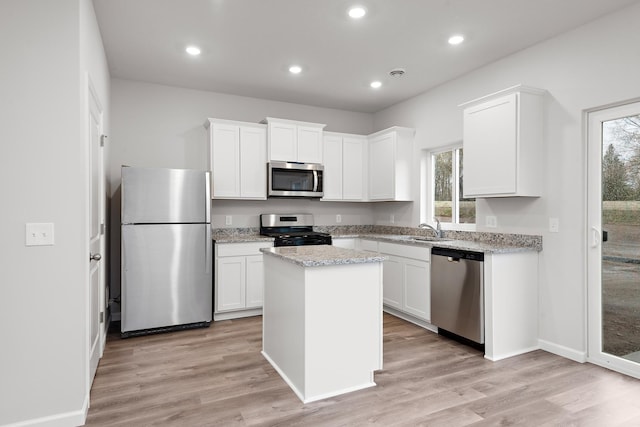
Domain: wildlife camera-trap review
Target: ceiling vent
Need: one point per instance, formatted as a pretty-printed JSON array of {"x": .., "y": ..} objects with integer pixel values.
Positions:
[{"x": 397, "y": 72}]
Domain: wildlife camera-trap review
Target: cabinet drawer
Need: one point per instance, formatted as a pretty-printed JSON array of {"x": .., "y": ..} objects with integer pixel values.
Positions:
[
  {"x": 406, "y": 251},
  {"x": 369, "y": 245},
  {"x": 240, "y": 249}
]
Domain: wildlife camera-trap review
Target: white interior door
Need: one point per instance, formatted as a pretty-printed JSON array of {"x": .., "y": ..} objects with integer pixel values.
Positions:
[
  {"x": 614, "y": 238},
  {"x": 96, "y": 235}
]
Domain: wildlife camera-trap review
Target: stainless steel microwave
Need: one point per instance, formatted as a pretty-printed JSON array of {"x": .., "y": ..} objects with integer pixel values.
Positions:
[{"x": 290, "y": 179}]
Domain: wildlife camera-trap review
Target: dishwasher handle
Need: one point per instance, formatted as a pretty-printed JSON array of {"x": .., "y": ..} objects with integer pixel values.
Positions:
[{"x": 457, "y": 254}]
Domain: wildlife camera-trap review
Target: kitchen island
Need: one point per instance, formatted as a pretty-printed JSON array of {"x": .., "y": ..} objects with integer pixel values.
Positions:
[{"x": 322, "y": 318}]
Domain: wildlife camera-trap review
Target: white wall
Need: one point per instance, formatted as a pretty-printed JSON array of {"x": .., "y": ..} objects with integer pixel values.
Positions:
[
  {"x": 592, "y": 66},
  {"x": 43, "y": 159},
  {"x": 162, "y": 126}
]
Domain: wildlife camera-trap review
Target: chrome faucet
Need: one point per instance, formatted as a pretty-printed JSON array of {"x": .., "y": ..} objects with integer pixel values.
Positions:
[{"x": 437, "y": 231}]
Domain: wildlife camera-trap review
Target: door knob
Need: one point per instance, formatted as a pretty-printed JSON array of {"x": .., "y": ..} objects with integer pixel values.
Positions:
[{"x": 95, "y": 257}]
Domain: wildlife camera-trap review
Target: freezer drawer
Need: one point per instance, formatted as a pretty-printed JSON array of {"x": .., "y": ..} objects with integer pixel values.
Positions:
[{"x": 166, "y": 275}]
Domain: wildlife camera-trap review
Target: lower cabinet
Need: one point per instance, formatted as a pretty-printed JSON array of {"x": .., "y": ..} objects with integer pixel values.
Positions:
[
  {"x": 239, "y": 279},
  {"x": 347, "y": 243},
  {"x": 406, "y": 279}
]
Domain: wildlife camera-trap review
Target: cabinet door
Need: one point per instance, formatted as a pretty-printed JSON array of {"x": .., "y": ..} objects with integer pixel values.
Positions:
[
  {"x": 344, "y": 243},
  {"x": 332, "y": 177},
  {"x": 382, "y": 167},
  {"x": 490, "y": 147},
  {"x": 309, "y": 144},
  {"x": 230, "y": 283},
  {"x": 255, "y": 281},
  {"x": 283, "y": 142},
  {"x": 353, "y": 171},
  {"x": 392, "y": 282},
  {"x": 417, "y": 290},
  {"x": 253, "y": 163},
  {"x": 368, "y": 245},
  {"x": 225, "y": 161}
]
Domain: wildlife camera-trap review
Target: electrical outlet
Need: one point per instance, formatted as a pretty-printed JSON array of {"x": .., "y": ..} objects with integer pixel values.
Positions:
[
  {"x": 491, "y": 221},
  {"x": 338, "y": 219},
  {"x": 392, "y": 219},
  {"x": 554, "y": 225},
  {"x": 39, "y": 234},
  {"x": 228, "y": 220}
]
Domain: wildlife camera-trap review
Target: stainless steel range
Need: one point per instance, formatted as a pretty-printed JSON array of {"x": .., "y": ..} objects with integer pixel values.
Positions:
[{"x": 292, "y": 230}]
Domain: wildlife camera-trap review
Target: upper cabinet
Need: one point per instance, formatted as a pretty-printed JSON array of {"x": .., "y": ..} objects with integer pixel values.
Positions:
[
  {"x": 390, "y": 161},
  {"x": 345, "y": 167},
  {"x": 293, "y": 141},
  {"x": 503, "y": 144},
  {"x": 237, "y": 158}
]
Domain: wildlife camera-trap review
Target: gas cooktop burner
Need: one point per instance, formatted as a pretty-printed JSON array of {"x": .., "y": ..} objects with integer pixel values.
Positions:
[{"x": 292, "y": 230}]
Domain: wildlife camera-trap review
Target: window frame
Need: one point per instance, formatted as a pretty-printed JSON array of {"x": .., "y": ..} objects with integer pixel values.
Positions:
[{"x": 427, "y": 202}]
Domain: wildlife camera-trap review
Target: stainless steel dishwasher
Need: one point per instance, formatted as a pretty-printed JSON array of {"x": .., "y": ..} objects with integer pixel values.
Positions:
[{"x": 457, "y": 292}]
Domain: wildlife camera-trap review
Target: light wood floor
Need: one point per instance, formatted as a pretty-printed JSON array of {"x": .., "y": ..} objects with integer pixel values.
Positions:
[{"x": 217, "y": 377}]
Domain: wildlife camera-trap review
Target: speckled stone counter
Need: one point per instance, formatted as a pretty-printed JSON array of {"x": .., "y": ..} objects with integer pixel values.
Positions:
[
  {"x": 238, "y": 235},
  {"x": 463, "y": 240},
  {"x": 322, "y": 255}
]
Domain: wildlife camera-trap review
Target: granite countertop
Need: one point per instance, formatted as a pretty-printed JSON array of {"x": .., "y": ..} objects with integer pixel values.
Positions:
[
  {"x": 488, "y": 243},
  {"x": 465, "y": 245},
  {"x": 322, "y": 255},
  {"x": 235, "y": 235}
]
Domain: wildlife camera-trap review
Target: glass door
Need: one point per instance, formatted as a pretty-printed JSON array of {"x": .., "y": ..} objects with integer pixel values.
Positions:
[{"x": 614, "y": 238}]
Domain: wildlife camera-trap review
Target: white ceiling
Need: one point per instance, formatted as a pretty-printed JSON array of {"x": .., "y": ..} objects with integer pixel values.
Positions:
[{"x": 248, "y": 45}]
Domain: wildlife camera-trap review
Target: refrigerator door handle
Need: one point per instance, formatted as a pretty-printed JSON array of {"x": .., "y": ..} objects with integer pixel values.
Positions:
[
  {"x": 207, "y": 205},
  {"x": 208, "y": 245}
]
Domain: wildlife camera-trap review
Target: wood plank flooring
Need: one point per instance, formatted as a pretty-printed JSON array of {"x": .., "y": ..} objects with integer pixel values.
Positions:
[{"x": 217, "y": 377}]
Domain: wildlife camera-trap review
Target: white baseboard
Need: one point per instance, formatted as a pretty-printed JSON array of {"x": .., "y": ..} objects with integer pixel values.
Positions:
[
  {"x": 74, "y": 418},
  {"x": 228, "y": 315},
  {"x": 409, "y": 318},
  {"x": 566, "y": 352}
]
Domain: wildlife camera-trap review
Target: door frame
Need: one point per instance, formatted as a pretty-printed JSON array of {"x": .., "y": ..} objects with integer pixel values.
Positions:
[
  {"x": 94, "y": 107},
  {"x": 593, "y": 240}
]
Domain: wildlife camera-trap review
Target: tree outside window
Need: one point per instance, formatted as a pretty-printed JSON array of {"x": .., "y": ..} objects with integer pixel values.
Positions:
[{"x": 448, "y": 203}]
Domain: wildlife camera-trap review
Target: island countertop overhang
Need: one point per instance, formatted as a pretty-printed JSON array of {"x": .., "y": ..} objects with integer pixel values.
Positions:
[{"x": 322, "y": 255}]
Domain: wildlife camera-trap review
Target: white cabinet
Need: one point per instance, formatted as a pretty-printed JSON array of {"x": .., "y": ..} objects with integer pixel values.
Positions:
[
  {"x": 345, "y": 167},
  {"x": 406, "y": 279},
  {"x": 503, "y": 144},
  {"x": 293, "y": 141},
  {"x": 390, "y": 161},
  {"x": 237, "y": 158},
  {"x": 239, "y": 279},
  {"x": 347, "y": 243}
]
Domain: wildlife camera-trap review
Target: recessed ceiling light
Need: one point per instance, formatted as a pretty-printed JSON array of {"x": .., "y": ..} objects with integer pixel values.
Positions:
[
  {"x": 295, "y": 69},
  {"x": 376, "y": 84},
  {"x": 457, "y": 39},
  {"x": 357, "y": 12},
  {"x": 193, "y": 50}
]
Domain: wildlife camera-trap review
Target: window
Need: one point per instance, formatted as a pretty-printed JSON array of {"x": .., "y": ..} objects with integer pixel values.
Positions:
[{"x": 448, "y": 205}]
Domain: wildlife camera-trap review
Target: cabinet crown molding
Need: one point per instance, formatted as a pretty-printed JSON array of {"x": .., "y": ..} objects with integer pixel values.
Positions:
[
  {"x": 408, "y": 131},
  {"x": 266, "y": 120},
  {"x": 513, "y": 89},
  {"x": 211, "y": 121}
]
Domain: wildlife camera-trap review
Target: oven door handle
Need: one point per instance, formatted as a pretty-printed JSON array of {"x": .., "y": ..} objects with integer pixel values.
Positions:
[{"x": 315, "y": 181}]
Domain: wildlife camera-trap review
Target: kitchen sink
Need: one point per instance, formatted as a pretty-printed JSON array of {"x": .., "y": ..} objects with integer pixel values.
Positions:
[
  {"x": 429, "y": 239},
  {"x": 423, "y": 238}
]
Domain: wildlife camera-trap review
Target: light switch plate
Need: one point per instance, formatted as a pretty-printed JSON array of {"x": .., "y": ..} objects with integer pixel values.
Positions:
[
  {"x": 491, "y": 221},
  {"x": 228, "y": 220},
  {"x": 554, "y": 225},
  {"x": 338, "y": 219},
  {"x": 392, "y": 219},
  {"x": 38, "y": 234}
]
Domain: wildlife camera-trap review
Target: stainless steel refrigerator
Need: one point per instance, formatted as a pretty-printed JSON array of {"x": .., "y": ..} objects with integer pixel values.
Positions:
[{"x": 166, "y": 271}]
